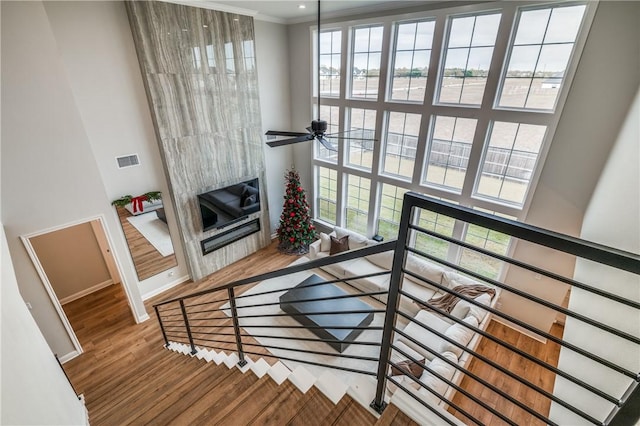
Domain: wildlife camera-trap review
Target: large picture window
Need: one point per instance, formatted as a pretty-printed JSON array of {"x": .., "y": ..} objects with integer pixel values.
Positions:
[{"x": 460, "y": 104}]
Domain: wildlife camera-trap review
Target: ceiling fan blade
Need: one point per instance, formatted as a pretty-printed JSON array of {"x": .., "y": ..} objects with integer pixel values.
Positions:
[
  {"x": 326, "y": 144},
  {"x": 279, "y": 133},
  {"x": 303, "y": 138},
  {"x": 352, "y": 139}
]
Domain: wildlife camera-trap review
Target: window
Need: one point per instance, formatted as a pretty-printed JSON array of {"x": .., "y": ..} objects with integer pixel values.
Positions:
[
  {"x": 331, "y": 114},
  {"x": 390, "y": 210},
  {"x": 539, "y": 57},
  {"x": 362, "y": 125},
  {"x": 330, "y": 56},
  {"x": 437, "y": 223},
  {"x": 327, "y": 195},
  {"x": 449, "y": 151},
  {"x": 365, "y": 69},
  {"x": 509, "y": 160},
  {"x": 468, "y": 57},
  {"x": 475, "y": 132},
  {"x": 411, "y": 60},
  {"x": 401, "y": 142},
  {"x": 357, "y": 207}
]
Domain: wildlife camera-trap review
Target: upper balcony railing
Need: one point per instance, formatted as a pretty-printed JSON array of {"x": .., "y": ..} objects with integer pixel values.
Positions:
[{"x": 432, "y": 343}]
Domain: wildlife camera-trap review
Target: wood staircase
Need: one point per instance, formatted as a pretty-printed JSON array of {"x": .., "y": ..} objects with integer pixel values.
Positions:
[{"x": 204, "y": 393}]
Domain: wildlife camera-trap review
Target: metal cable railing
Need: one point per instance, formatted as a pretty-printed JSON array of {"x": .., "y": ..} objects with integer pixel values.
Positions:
[{"x": 454, "y": 379}]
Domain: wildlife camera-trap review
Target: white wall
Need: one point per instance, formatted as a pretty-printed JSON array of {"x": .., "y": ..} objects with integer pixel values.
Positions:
[
  {"x": 273, "y": 81},
  {"x": 96, "y": 48},
  {"x": 611, "y": 219},
  {"x": 34, "y": 389},
  {"x": 49, "y": 174}
]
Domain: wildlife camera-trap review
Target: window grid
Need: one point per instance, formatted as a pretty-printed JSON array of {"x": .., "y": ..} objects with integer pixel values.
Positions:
[
  {"x": 449, "y": 151},
  {"x": 390, "y": 210},
  {"x": 327, "y": 194},
  {"x": 437, "y": 223},
  {"x": 362, "y": 124},
  {"x": 460, "y": 82},
  {"x": 409, "y": 83},
  {"x": 330, "y": 69},
  {"x": 465, "y": 149},
  {"x": 365, "y": 62},
  {"x": 528, "y": 82},
  {"x": 401, "y": 142},
  {"x": 331, "y": 114},
  {"x": 357, "y": 206}
]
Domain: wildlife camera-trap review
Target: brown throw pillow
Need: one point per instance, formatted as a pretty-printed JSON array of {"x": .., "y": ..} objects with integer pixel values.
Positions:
[
  {"x": 339, "y": 245},
  {"x": 403, "y": 367}
]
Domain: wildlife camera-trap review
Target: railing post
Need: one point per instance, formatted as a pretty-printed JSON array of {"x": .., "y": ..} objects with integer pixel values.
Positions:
[
  {"x": 393, "y": 299},
  {"x": 164, "y": 334},
  {"x": 236, "y": 327},
  {"x": 186, "y": 324}
]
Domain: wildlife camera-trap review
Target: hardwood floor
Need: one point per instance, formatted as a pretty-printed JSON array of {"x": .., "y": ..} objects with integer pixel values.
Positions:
[
  {"x": 127, "y": 376},
  {"x": 147, "y": 260},
  {"x": 516, "y": 364}
]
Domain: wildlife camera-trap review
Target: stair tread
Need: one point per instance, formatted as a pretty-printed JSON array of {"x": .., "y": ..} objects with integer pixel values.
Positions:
[
  {"x": 283, "y": 407},
  {"x": 392, "y": 416},
  {"x": 259, "y": 395},
  {"x": 318, "y": 410}
]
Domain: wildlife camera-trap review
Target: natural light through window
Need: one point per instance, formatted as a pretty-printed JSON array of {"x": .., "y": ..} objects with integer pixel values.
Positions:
[
  {"x": 449, "y": 151},
  {"x": 330, "y": 46},
  {"x": 509, "y": 160},
  {"x": 468, "y": 57},
  {"x": 460, "y": 103},
  {"x": 357, "y": 208},
  {"x": 411, "y": 60},
  {"x": 365, "y": 69},
  {"x": 401, "y": 142},
  {"x": 362, "y": 126},
  {"x": 539, "y": 57}
]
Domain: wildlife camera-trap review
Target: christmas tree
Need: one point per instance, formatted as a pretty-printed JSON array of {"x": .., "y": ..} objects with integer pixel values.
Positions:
[{"x": 296, "y": 231}]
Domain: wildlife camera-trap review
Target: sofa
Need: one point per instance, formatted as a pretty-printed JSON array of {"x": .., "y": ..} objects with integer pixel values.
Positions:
[{"x": 468, "y": 313}]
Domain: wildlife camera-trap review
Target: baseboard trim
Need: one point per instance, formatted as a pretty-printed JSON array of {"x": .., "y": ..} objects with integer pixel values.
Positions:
[
  {"x": 519, "y": 329},
  {"x": 142, "y": 318},
  {"x": 68, "y": 357},
  {"x": 165, "y": 287},
  {"x": 86, "y": 291}
]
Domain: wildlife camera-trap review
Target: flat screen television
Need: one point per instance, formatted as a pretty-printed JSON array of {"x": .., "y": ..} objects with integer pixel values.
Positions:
[{"x": 225, "y": 206}]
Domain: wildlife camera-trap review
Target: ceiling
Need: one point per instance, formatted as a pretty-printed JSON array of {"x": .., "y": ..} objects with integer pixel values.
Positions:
[{"x": 288, "y": 12}]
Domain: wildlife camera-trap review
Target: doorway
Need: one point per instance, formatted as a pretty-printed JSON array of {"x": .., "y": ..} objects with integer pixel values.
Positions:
[{"x": 79, "y": 272}]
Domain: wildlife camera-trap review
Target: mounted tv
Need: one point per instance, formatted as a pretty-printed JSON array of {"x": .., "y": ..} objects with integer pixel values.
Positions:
[{"x": 225, "y": 206}]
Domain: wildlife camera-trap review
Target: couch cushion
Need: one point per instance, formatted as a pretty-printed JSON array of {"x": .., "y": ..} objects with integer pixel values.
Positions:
[
  {"x": 382, "y": 260},
  {"x": 336, "y": 269},
  {"x": 418, "y": 291},
  {"x": 423, "y": 335},
  {"x": 362, "y": 266},
  {"x": 445, "y": 370},
  {"x": 425, "y": 269},
  {"x": 464, "y": 308},
  {"x": 452, "y": 279},
  {"x": 356, "y": 240},
  {"x": 460, "y": 334}
]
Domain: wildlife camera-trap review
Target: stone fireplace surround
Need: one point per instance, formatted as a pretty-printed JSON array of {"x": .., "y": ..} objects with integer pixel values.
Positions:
[{"x": 199, "y": 70}]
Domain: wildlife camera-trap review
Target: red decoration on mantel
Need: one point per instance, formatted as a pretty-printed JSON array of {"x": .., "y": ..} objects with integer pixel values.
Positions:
[{"x": 137, "y": 203}]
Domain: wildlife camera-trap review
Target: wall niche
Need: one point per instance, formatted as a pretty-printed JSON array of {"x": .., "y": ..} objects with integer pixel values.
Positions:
[{"x": 199, "y": 70}]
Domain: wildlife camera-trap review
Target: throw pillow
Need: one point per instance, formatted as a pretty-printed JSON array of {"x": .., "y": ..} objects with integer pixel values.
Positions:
[
  {"x": 250, "y": 200},
  {"x": 407, "y": 365},
  {"x": 325, "y": 242},
  {"x": 338, "y": 245}
]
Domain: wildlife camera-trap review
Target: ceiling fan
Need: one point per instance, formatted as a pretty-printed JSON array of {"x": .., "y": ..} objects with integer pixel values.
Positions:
[{"x": 318, "y": 127}]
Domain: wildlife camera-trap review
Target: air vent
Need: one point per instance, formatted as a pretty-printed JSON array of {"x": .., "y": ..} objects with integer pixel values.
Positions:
[{"x": 128, "y": 161}]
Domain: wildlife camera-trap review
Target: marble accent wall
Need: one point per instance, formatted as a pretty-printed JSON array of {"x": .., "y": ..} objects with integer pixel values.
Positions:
[{"x": 200, "y": 74}]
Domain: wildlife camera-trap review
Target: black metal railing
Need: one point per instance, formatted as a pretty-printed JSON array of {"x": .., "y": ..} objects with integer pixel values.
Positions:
[{"x": 458, "y": 383}]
